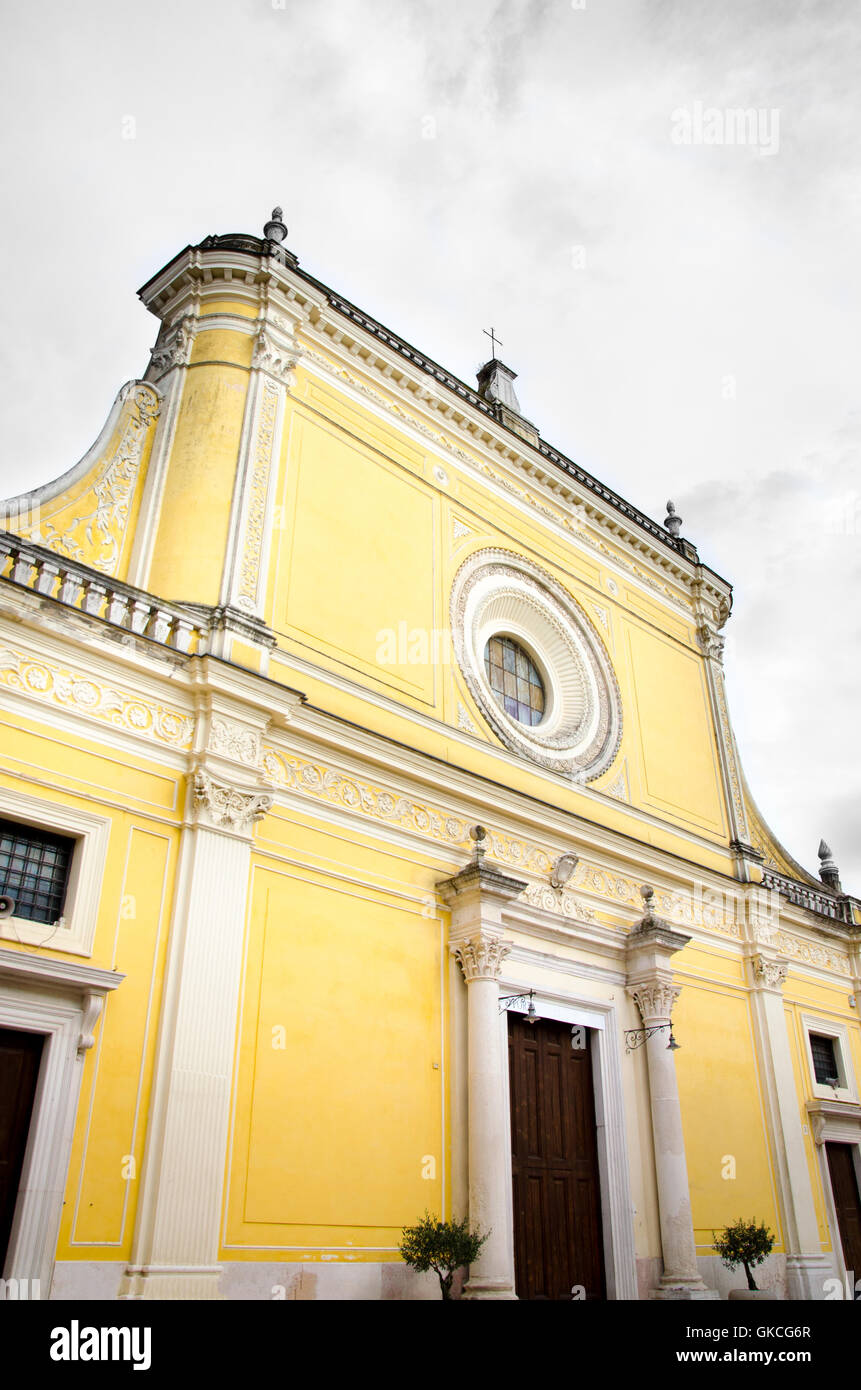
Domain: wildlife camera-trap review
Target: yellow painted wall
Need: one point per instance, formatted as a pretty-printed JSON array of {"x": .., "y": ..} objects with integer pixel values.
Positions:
[
  {"x": 338, "y": 1119},
  {"x": 723, "y": 1115}
]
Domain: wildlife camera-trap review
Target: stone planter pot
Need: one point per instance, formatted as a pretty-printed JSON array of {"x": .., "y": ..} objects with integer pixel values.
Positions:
[{"x": 752, "y": 1296}]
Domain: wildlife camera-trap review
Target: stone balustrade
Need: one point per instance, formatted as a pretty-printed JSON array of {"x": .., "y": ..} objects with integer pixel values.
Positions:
[{"x": 43, "y": 572}]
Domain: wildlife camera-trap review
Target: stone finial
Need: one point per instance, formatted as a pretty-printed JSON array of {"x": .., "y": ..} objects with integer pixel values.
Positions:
[
  {"x": 672, "y": 521},
  {"x": 275, "y": 229},
  {"x": 647, "y": 893},
  {"x": 828, "y": 871},
  {"x": 478, "y": 835}
]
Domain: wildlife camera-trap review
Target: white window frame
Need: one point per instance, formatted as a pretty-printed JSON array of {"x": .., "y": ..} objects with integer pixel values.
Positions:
[
  {"x": 839, "y": 1033},
  {"x": 77, "y": 927}
]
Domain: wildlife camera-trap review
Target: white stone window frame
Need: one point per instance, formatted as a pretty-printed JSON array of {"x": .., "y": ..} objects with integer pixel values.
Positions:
[
  {"x": 62, "y": 1001},
  {"x": 839, "y": 1033},
  {"x": 499, "y": 593},
  {"x": 86, "y": 872},
  {"x": 617, "y": 1207}
]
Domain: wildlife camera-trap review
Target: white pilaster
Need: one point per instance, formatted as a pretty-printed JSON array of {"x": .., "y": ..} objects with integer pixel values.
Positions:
[
  {"x": 477, "y": 896},
  {"x": 806, "y": 1266},
  {"x": 177, "y": 1236}
]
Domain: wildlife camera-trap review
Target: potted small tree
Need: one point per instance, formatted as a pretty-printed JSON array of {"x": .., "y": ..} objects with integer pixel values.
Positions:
[
  {"x": 748, "y": 1244},
  {"x": 443, "y": 1246}
]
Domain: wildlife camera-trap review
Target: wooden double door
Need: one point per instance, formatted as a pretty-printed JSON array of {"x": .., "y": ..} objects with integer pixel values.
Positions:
[
  {"x": 20, "y": 1056},
  {"x": 558, "y": 1241},
  {"x": 847, "y": 1203}
]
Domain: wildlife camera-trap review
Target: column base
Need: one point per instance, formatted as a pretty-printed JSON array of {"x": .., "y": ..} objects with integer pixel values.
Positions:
[
  {"x": 172, "y": 1283},
  {"x": 488, "y": 1288},
  {"x": 676, "y": 1290},
  {"x": 808, "y": 1277}
]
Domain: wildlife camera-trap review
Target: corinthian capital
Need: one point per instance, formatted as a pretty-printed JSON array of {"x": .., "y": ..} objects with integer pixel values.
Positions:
[
  {"x": 655, "y": 1000},
  {"x": 769, "y": 973},
  {"x": 481, "y": 957},
  {"x": 227, "y": 807}
]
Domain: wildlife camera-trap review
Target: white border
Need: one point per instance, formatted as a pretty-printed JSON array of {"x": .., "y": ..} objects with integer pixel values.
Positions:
[
  {"x": 76, "y": 928},
  {"x": 828, "y": 1028}
]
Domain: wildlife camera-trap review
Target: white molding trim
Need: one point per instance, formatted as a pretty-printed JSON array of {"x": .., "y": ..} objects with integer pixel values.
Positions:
[
  {"x": 831, "y": 1028},
  {"x": 61, "y": 1001},
  {"x": 76, "y": 928}
]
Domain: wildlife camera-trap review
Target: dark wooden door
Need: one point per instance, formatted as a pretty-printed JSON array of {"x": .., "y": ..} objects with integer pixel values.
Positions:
[
  {"x": 847, "y": 1202},
  {"x": 20, "y": 1055},
  {"x": 556, "y": 1195}
]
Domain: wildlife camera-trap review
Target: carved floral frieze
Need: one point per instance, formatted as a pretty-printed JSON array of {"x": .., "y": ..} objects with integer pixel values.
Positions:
[
  {"x": 94, "y": 536},
  {"x": 81, "y": 693}
]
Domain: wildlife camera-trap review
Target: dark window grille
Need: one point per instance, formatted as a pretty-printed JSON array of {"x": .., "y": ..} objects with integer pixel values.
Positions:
[
  {"x": 34, "y": 870},
  {"x": 825, "y": 1065},
  {"x": 514, "y": 680}
]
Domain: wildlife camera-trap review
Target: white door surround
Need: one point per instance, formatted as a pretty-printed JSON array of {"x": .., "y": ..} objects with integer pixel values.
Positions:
[
  {"x": 617, "y": 1209},
  {"x": 62, "y": 1001}
]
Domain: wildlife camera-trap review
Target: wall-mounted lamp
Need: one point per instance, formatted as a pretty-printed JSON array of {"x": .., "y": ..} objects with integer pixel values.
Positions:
[
  {"x": 635, "y": 1037},
  {"x": 513, "y": 1000}
]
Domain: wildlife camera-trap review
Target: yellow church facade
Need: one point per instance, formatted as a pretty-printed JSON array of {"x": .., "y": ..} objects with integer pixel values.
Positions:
[{"x": 348, "y": 726}]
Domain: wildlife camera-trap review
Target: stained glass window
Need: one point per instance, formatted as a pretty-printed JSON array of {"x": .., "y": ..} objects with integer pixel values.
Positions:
[{"x": 514, "y": 680}]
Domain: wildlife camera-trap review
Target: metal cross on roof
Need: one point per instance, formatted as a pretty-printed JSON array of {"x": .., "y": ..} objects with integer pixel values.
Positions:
[{"x": 490, "y": 333}]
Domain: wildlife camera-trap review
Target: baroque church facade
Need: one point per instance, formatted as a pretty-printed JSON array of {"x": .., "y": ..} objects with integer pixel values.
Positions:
[{"x": 374, "y": 840}]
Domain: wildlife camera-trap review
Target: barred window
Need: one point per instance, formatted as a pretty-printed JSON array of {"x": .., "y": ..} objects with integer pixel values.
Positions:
[
  {"x": 825, "y": 1066},
  {"x": 34, "y": 870}
]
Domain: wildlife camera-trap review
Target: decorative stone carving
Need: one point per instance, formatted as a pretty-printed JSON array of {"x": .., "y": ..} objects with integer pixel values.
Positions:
[
  {"x": 563, "y": 870},
  {"x": 269, "y": 357},
  {"x": 256, "y": 498},
  {"x": 226, "y": 806},
  {"x": 711, "y": 642},
  {"x": 174, "y": 346},
  {"x": 95, "y": 535},
  {"x": 618, "y": 788},
  {"x": 655, "y": 1000},
  {"x": 561, "y": 902},
  {"x": 769, "y": 973},
  {"x": 234, "y": 741},
  {"x": 79, "y": 692},
  {"x": 463, "y": 719},
  {"x": 481, "y": 957},
  {"x": 583, "y": 727},
  {"x": 93, "y": 1005}
]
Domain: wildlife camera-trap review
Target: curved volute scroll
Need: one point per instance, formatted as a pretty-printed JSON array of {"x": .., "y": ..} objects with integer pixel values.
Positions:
[{"x": 88, "y": 514}]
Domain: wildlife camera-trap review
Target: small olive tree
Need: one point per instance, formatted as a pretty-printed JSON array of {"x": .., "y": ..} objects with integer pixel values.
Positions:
[
  {"x": 744, "y": 1243},
  {"x": 443, "y": 1246}
]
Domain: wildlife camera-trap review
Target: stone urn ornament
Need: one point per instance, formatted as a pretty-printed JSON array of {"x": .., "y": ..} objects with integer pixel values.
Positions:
[{"x": 746, "y": 1243}]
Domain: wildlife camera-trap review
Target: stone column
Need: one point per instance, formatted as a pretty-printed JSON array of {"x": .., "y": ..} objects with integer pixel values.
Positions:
[
  {"x": 477, "y": 896},
  {"x": 806, "y": 1266},
  {"x": 650, "y": 984},
  {"x": 177, "y": 1233}
]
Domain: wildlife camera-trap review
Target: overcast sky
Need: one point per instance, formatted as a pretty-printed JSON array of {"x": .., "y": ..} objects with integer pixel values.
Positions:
[{"x": 683, "y": 316}]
